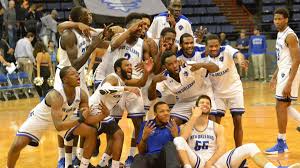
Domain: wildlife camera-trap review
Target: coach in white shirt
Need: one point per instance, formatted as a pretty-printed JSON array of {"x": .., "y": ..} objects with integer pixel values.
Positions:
[{"x": 173, "y": 18}]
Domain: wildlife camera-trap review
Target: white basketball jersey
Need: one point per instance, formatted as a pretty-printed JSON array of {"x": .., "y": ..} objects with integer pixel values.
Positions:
[
  {"x": 43, "y": 111},
  {"x": 226, "y": 82},
  {"x": 197, "y": 56},
  {"x": 134, "y": 54},
  {"x": 191, "y": 83},
  {"x": 284, "y": 59},
  {"x": 110, "y": 100},
  {"x": 204, "y": 143},
  {"x": 82, "y": 44}
]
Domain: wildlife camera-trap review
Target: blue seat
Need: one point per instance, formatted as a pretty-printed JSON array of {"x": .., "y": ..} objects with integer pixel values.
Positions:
[
  {"x": 67, "y": 5},
  {"x": 248, "y": 2},
  {"x": 213, "y": 10},
  {"x": 50, "y": 5},
  {"x": 268, "y": 1},
  {"x": 296, "y": 8},
  {"x": 279, "y": 1},
  {"x": 61, "y": 15},
  {"x": 206, "y": 19},
  {"x": 227, "y": 28},
  {"x": 188, "y": 11},
  {"x": 206, "y": 2},
  {"x": 220, "y": 19},
  {"x": 267, "y": 18},
  {"x": 200, "y": 10},
  {"x": 212, "y": 28},
  {"x": 267, "y": 9},
  {"x": 296, "y": 17}
]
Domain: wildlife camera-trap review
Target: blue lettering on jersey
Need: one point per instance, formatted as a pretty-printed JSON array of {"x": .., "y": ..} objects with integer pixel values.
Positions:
[
  {"x": 180, "y": 27},
  {"x": 202, "y": 136},
  {"x": 221, "y": 59},
  {"x": 220, "y": 73},
  {"x": 185, "y": 88},
  {"x": 130, "y": 50},
  {"x": 282, "y": 75},
  {"x": 201, "y": 145},
  {"x": 124, "y": 5},
  {"x": 185, "y": 73}
]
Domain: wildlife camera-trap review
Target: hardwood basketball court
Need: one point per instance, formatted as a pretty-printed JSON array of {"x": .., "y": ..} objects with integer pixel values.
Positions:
[{"x": 259, "y": 123}]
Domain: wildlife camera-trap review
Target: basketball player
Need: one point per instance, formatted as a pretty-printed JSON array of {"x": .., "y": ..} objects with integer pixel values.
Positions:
[
  {"x": 226, "y": 84},
  {"x": 202, "y": 143},
  {"x": 128, "y": 45},
  {"x": 174, "y": 19},
  {"x": 57, "y": 109},
  {"x": 186, "y": 82},
  {"x": 286, "y": 77},
  {"x": 112, "y": 92},
  {"x": 191, "y": 53},
  {"x": 74, "y": 52}
]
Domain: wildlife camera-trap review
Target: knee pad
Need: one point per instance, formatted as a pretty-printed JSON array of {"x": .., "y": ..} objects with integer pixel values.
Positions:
[{"x": 179, "y": 143}]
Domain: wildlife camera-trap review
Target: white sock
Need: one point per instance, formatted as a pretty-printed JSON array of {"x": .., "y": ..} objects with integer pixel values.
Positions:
[
  {"x": 84, "y": 163},
  {"x": 74, "y": 151},
  {"x": 61, "y": 153},
  {"x": 269, "y": 165},
  {"x": 282, "y": 136},
  {"x": 104, "y": 160},
  {"x": 294, "y": 113},
  {"x": 115, "y": 164},
  {"x": 68, "y": 159},
  {"x": 187, "y": 166},
  {"x": 132, "y": 151},
  {"x": 79, "y": 153}
]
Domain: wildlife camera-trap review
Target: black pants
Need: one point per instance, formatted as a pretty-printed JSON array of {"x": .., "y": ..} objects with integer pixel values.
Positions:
[
  {"x": 167, "y": 158},
  {"x": 44, "y": 88}
]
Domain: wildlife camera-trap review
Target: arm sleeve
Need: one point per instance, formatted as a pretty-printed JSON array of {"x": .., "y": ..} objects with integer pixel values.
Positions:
[{"x": 107, "y": 88}]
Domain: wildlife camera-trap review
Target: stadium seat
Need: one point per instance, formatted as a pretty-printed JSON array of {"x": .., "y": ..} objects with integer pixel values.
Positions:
[
  {"x": 279, "y": 1},
  {"x": 227, "y": 28},
  {"x": 248, "y": 2},
  {"x": 268, "y": 1},
  {"x": 200, "y": 11},
  {"x": 67, "y": 5},
  {"x": 51, "y": 6},
  {"x": 295, "y": 8},
  {"x": 267, "y": 9},
  {"x": 296, "y": 17},
  {"x": 267, "y": 18},
  {"x": 220, "y": 19},
  {"x": 213, "y": 10}
]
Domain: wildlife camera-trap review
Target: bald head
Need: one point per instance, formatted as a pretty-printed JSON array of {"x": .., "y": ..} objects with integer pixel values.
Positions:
[
  {"x": 11, "y": 4},
  {"x": 175, "y": 7}
]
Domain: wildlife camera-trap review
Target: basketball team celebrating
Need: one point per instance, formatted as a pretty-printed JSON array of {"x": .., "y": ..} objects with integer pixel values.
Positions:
[{"x": 158, "y": 66}]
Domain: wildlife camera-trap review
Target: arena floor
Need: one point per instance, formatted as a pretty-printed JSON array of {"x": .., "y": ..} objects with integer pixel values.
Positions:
[{"x": 259, "y": 124}]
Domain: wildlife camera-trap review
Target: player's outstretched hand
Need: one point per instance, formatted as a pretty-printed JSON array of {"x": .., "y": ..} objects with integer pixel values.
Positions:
[
  {"x": 85, "y": 29},
  {"x": 148, "y": 130},
  {"x": 172, "y": 126},
  {"x": 196, "y": 112},
  {"x": 159, "y": 77}
]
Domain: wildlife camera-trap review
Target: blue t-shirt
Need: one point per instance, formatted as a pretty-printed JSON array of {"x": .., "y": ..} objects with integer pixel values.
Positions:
[
  {"x": 257, "y": 44},
  {"x": 157, "y": 140},
  {"x": 244, "y": 42}
]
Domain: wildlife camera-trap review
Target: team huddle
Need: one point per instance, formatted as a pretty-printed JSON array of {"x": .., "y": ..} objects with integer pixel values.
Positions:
[{"x": 157, "y": 66}]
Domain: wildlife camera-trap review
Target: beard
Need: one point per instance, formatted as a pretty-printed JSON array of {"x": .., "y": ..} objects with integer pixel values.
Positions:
[{"x": 124, "y": 75}]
